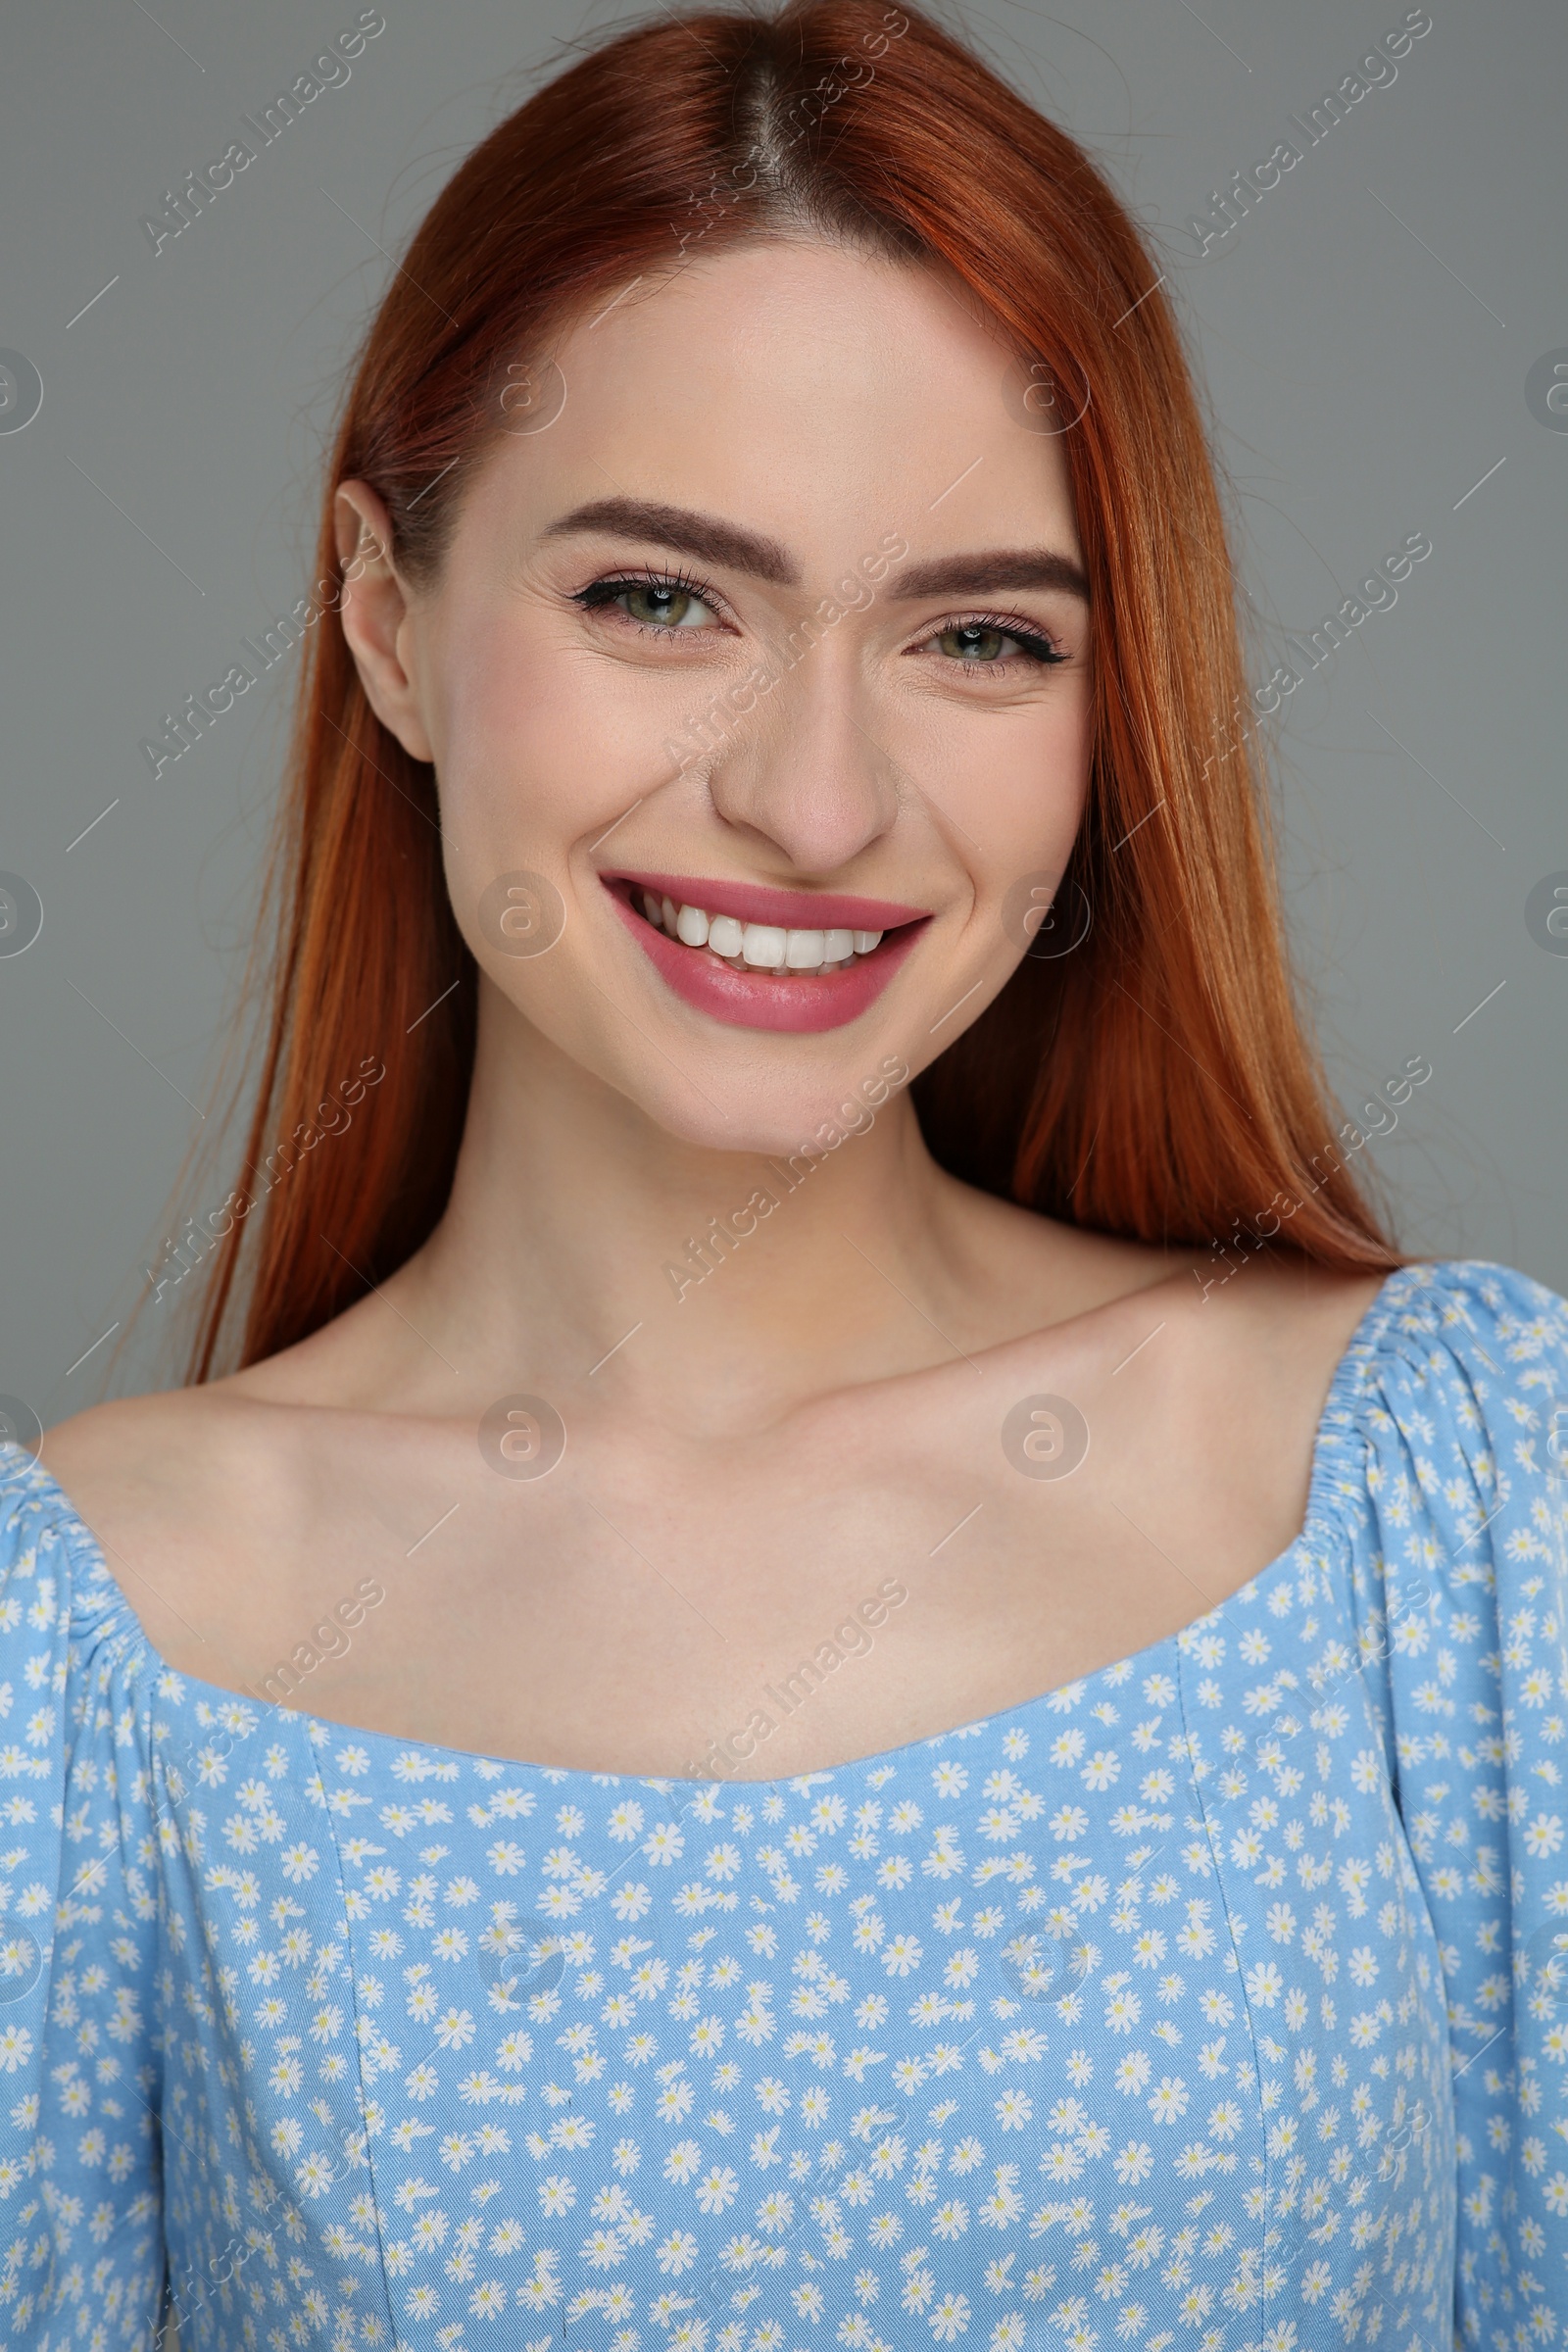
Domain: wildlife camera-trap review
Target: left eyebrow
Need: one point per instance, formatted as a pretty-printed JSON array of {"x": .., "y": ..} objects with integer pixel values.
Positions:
[{"x": 991, "y": 574}]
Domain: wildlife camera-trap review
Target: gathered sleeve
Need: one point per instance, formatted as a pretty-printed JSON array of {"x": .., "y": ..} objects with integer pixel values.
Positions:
[
  {"x": 1466, "y": 1606},
  {"x": 82, "y": 2245}
]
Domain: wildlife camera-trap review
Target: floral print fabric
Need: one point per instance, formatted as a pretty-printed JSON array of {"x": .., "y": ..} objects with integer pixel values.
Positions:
[{"x": 1218, "y": 2000}]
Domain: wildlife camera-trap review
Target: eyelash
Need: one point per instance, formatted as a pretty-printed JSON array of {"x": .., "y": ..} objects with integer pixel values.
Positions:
[
  {"x": 1040, "y": 653},
  {"x": 602, "y": 592}
]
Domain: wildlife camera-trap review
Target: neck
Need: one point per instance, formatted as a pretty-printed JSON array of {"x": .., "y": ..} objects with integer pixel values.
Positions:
[{"x": 748, "y": 1279}]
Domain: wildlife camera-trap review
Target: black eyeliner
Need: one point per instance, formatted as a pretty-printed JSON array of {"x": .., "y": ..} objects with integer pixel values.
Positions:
[
  {"x": 606, "y": 589},
  {"x": 1040, "y": 649}
]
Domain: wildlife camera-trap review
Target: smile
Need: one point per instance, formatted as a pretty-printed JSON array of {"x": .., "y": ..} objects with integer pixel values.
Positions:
[
  {"x": 760, "y": 957},
  {"x": 759, "y": 947}
]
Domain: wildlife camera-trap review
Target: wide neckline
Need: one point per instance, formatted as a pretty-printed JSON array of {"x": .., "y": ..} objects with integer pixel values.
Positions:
[{"x": 1318, "y": 1519}]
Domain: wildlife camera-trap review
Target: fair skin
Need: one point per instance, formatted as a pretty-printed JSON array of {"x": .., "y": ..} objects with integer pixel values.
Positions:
[{"x": 824, "y": 1412}]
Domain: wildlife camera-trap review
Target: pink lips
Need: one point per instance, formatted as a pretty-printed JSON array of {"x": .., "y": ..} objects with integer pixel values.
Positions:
[
  {"x": 759, "y": 902},
  {"x": 761, "y": 1000}
]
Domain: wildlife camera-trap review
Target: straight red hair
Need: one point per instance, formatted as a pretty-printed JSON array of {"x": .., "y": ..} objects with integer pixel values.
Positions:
[{"x": 1155, "y": 1081}]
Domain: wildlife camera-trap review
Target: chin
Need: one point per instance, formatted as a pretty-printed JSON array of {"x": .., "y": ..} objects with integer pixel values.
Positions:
[{"x": 783, "y": 1120}]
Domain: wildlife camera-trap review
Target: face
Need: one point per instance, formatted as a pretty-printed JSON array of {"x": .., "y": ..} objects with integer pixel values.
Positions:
[{"x": 767, "y": 660}]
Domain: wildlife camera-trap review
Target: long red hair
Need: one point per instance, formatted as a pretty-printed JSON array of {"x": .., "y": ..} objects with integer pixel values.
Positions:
[{"x": 1155, "y": 1082}]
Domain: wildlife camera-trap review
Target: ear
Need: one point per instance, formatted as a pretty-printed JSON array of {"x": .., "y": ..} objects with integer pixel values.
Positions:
[{"x": 376, "y": 614}]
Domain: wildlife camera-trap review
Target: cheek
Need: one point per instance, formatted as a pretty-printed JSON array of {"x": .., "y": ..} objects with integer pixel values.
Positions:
[
  {"x": 1017, "y": 785},
  {"x": 539, "y": 745}
]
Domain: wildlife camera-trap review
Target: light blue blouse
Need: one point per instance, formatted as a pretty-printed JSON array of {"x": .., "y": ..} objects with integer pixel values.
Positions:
[{"x": 1208, "y": 2002}]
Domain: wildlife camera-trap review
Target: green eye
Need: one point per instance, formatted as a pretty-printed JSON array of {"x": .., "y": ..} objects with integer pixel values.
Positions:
[
  {"x": 660, "y": 608},
  {"x": 986, "y": 643},
  {"x": 661, "y": 603},
  {"x": 974, "y": 642}
]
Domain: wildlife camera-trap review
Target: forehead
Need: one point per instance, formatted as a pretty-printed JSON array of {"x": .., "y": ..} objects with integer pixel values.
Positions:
[{"x": 806, "y": 390}]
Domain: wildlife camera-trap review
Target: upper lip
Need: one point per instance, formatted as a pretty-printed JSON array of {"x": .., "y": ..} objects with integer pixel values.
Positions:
[{"x": 761, "y": 902}]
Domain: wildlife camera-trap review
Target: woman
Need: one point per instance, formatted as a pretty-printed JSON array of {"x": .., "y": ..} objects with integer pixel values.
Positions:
[{"x": 808, "y": 1220}]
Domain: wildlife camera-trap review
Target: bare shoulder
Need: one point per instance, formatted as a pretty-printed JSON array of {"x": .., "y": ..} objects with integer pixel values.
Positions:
[
  {"x": 171, "y": 1482},
  {"x": 228, "y": 1449},
  {"x": 1293, "y": 1312},
  {"x": 1213, "y": 1373},
  {"x": 1271, "y": 1336},
  {"x": 172, "y": 1441},
  {"x": 1237, "y": 1378}
]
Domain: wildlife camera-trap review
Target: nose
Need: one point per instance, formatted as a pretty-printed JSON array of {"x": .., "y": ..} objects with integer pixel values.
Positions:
[{"x": 800, "y": 770}]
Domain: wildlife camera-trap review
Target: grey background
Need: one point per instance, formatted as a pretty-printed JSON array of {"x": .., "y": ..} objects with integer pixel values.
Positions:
[{"x": 1364, "y": 337}]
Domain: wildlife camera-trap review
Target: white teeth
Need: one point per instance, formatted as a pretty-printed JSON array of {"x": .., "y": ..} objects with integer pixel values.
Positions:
[
  {"x": 762, "y": 946},
  {"x": 765, "y": 944}
]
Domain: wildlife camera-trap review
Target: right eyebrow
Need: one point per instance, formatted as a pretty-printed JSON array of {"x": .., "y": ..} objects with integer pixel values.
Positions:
[{"x": 704, "y": 536}]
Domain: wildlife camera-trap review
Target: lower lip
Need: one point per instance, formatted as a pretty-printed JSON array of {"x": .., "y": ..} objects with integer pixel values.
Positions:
[{"x": 759, "y": 1002}]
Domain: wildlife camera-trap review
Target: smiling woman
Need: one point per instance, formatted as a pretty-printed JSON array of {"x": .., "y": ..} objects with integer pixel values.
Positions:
[
  {"x": 773, "y": 682},
  {"x": 1059, "y": 355}
]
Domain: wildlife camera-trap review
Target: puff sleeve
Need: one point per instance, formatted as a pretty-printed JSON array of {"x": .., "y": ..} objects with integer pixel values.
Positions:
[
  {"x": 81, "y": 2248},
  {"x": 1466, "y": 1602}
]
